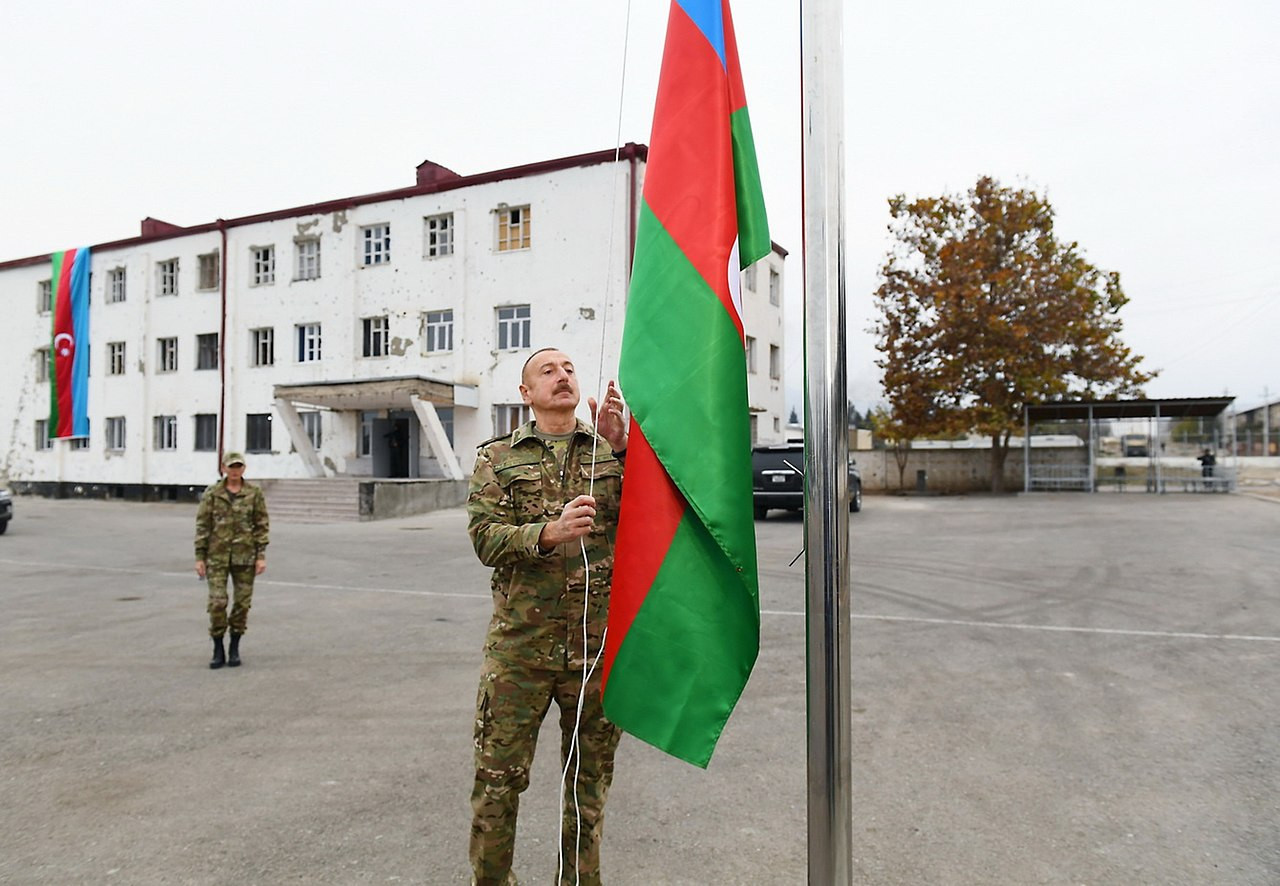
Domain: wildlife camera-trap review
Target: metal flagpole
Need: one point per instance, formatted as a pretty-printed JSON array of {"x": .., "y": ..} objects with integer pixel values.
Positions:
[{"x": 827, "y": 445}]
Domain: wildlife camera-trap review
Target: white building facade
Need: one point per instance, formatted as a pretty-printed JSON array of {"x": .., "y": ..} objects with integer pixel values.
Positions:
[{"x": 374, "y": 336}]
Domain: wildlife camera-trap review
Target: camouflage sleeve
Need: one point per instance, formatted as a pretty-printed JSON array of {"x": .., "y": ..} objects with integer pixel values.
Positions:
[
  {"x": 204, "y": 525},
  {"x": 495, "y": 535},
  {"x": 261, "y": 525}
]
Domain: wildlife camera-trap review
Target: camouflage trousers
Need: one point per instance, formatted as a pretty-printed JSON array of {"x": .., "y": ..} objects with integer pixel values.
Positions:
[
  {"x": 242, "y": 580},
  {"x": 510, "y": 707}
]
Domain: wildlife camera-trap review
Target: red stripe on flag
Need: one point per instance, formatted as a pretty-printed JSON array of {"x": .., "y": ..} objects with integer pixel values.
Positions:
[
  {"x": 651, "y": 512},
  {"x": 691, "y": 131},
  {"x": 63, "y": 353}
]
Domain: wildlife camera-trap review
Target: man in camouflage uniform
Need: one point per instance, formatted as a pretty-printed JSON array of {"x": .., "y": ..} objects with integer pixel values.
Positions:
[
  {"x": 537, "y": 496},
  {"x": 231, "y": 541}
]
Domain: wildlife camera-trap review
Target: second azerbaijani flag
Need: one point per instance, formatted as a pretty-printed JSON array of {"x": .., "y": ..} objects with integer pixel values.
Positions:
[
  {"x": 684, "y": 616},
  {"x": 69, "y": 354}
]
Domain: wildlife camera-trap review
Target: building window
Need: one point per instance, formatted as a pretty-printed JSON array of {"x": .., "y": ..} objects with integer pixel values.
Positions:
[
  {"x": 509, "y": 416},
  {"x": 207, "y": 350},
  {"x": 164, "y": 432},
  {"x": 167, "y": 355},
  {"x": 308, "y": 259},
  {"x": 208, "y": 270},
  {"x": 257, "y": 432},
  {"x": 262, "y": 346},
  {"x": 445, "y": 414},
  {"x": 439, "y": 230},
  {"x": 376, "y": 336},
  {"x": 115, "y": 358},
  {"x": 42, "y": 364},
  {"x": 44, "y": 296},
  {"x": 777, "y": 425},
  {"x": 749, "y": 278},
  {"x": 439, "y": 331},
  {"x": 513, "y": 228},
  {"x": 377, "y": 244},
  {"x": 775, "y": 361},
  {"x": 775, "y": 287},
  {"x": 308, "y": 342},
  {"x": 115, "y": 285},
  {"x": 311, "y": 424},
  {"x": 206, "y": 432},
  {"x": 366, "y": 433},
  {"x": 115, "y": 434},
  {"x": 78, "y": 443},
  {"x": 264, "y": 265},
  {"x": 513, "y": 327},
  {"x": 167, "y": 272},
  {"x": 42, "y": 434},
  {"x": 751, "y": 354},
  {"x": 755, "y": 429}
]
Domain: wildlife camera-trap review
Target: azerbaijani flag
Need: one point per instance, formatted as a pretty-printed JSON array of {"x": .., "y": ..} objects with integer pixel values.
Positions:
[
  {"x": 69, "y": 356},
  {"x": 684, "y": 615}
]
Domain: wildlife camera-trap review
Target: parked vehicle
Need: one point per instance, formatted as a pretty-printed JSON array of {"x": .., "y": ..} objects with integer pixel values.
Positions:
[
  {"x": 778, "y": 480},
  {"x": 6, "y": 509}
]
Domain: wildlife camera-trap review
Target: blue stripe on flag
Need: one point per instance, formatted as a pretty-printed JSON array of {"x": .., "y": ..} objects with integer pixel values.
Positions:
[
  {"x": 708, "y": 15},
  {"x": 80, "y": 327}
]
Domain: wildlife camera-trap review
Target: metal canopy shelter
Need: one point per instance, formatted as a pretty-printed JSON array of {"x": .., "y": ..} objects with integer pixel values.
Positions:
[
  {"x": 422, "y": 395},
  {"x": 1091, "y": 411}
]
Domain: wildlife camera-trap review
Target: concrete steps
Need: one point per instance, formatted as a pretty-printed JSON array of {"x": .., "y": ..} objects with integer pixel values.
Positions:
[{"x": 323, "y": 500}]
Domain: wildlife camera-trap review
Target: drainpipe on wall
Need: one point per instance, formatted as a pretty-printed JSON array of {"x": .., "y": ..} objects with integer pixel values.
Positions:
[{"x": 222, "y": 346}]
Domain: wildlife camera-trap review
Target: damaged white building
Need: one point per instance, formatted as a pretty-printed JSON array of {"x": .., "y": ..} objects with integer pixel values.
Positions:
[{"x": 378, "y": 336}]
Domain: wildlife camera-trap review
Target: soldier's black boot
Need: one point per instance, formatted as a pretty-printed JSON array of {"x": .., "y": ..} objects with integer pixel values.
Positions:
[
  {"x": 219, "y": 654},
  {"x": 233, "y": 654}
]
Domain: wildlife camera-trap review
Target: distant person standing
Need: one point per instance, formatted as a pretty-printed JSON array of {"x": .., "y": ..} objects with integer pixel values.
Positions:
[
  {"x": 1207, "y": 462},
  {"x": 231, "y": 542}
]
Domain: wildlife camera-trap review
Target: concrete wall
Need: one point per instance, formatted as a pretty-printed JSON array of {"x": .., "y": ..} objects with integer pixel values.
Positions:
[
  {"x": 380, "y": 500},
  {"x": 955, "y": 470}
]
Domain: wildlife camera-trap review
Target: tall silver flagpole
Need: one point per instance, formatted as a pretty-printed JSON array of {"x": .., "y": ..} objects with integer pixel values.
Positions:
[{"x": 826, "y": 501}]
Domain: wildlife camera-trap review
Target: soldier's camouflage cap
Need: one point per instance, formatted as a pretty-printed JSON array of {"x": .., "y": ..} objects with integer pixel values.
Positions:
[{"x": 233, "y": 458}]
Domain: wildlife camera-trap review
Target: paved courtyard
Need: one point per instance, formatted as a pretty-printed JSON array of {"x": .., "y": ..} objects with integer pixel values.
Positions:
[{"x": 1049, "y": 689}]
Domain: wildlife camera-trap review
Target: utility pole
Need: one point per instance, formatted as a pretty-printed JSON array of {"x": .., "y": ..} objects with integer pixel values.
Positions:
[{"x": 1266, "y": 420}]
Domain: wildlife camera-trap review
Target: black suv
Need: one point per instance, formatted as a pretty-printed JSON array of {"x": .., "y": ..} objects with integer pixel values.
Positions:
[
  {"x": 777, "y": 482},
  {"x": 6, "y": 509}
]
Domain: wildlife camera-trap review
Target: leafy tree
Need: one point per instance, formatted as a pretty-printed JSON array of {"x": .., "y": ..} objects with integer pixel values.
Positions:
[
  {"x": 897, "y": 430},
  {"x": 794, "y": 419},
  {"x": 983, "y": 310}
]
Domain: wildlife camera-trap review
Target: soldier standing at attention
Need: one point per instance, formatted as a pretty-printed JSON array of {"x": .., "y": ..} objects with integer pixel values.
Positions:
[
  {"x": 529, "y": 513},
  {"x": 231, "y": 541}
]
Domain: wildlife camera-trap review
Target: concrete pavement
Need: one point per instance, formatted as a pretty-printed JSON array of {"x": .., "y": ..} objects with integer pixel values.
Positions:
[{"x": 1047, "y": 689}]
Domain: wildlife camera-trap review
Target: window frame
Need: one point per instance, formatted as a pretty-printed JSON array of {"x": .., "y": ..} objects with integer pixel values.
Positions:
[
  {"x": 437, "y": 235},
  {"x": 303, "y": 258},
  {"x": 210, "y": 443},
  {"x": 207, "y": 351},
  {"x": 255, "y": 424},
  {"x": 434, "y": 330},
  {"x": 375, "y": 245},
  {"x": 167, "y": 277},
  {"x": 116, "y": 433},
  {"x": 208, "y": 271},
  {"x": 519, "y": 219},
  {"x": 166, "y": 354},
  {"x": 164, "y": 433},
  {"x": 375, "y": 336},
  {"x": 263, "y": 267},
  {"x": 117, "y": 285},
  {"x": 504, "y": 414},
  {"x": 309, "y": 340},
  {"x": 116, "y": 357},
  {"x": 257, "y": 338},
  {"x": 517, "y": 326},
  {"x": 44, "y": 296}
]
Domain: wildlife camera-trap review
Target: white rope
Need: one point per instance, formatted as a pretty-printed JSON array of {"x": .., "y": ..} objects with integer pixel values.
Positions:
[{"x": 573, "y": 755}]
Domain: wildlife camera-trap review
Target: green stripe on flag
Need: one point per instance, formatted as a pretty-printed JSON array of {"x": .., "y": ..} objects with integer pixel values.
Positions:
[
  {"x": 687, "y": 656},
  {"x": 683, "y": 370},
  {"x": 53, "y": 330},
  {"x": 753, "y": 226}
]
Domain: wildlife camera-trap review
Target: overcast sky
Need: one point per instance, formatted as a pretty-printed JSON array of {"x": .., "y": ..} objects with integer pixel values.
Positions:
[{"x": 1151, "y": 127}]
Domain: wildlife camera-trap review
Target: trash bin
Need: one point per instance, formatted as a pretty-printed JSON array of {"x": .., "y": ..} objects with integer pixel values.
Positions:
[{"x": 922, "y": 481}]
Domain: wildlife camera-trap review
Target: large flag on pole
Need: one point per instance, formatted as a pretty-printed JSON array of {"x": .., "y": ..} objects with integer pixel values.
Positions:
[
  {"x": 684, "y": 615},
  {"x": 69, "y": 355}
]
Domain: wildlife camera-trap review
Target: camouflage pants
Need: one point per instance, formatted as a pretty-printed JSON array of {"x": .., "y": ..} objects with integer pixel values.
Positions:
[
  {"x": 242, "y": 579},
  {"x": 510, "y": 707}
]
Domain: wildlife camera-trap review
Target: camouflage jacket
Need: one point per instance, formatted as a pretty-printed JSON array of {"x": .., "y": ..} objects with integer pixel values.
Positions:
[
  {"x": 516, "y": 489},
  {"x": 231, "y": 530}
]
